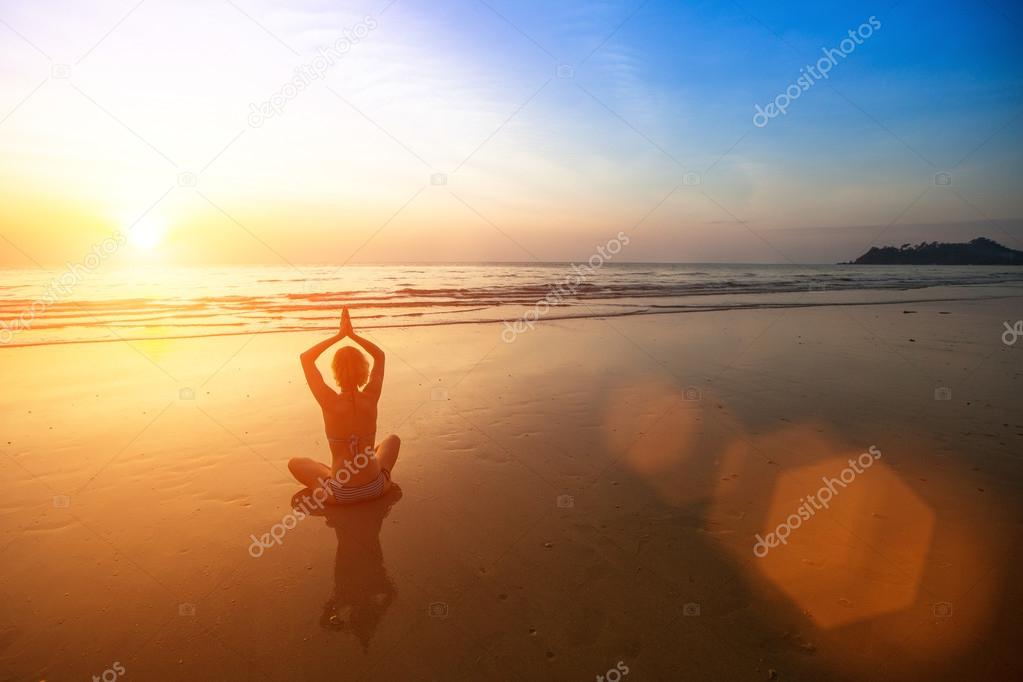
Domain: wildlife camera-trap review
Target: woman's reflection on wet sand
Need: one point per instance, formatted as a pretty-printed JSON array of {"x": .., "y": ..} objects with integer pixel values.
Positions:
[{"x": 363, "y": 590}]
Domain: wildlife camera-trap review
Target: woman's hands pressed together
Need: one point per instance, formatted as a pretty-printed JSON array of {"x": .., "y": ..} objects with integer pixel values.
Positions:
[{"x": 346, "y": 323}]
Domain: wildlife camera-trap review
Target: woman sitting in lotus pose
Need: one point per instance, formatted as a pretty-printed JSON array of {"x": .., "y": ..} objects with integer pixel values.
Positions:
[{"x": 359, "y": 471}]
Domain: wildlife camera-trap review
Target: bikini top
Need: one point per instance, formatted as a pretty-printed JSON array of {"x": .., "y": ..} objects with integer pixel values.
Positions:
[{"x": 352, "y": 442}]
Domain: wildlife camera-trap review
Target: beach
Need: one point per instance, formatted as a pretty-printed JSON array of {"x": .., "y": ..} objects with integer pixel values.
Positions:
[{"x": 584, "y": 499}]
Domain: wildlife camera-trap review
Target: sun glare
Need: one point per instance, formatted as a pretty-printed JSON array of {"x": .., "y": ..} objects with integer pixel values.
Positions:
[{"x": 146, "y": 234}]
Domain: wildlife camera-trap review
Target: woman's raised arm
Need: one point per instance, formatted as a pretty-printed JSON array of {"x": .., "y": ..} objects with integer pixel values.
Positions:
[{"x": 317, "y": 385}]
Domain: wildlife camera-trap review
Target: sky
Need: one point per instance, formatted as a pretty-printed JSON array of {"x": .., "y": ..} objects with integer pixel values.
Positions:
[{"x": 501, "y": 130}]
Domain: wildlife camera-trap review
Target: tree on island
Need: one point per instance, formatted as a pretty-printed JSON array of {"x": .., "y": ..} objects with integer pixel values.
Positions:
[{"x": 980, "y": 251}]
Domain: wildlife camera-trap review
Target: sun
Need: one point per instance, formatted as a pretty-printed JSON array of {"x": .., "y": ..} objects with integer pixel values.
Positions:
[{"x": 147, "y": 234}]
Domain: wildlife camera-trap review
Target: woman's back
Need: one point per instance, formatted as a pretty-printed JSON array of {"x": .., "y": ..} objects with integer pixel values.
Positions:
[{"x": 351, "y": 426}]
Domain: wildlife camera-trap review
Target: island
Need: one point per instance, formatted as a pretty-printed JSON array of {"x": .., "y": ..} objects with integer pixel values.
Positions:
[{"x": 980, "y": 251}]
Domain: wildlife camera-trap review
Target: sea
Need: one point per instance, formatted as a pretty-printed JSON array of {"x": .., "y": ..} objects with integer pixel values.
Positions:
[{"x": 40, "y": 306}]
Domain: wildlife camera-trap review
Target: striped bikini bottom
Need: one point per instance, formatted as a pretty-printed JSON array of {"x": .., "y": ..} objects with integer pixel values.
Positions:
[{"x": 347, "y": 494}]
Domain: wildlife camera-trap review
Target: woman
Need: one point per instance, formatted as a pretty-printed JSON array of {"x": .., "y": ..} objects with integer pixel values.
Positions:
[{"x": 358, "y": 471}]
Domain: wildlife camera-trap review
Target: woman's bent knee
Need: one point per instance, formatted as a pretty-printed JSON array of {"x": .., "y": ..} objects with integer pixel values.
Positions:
[{"x": 299, "y": 465}]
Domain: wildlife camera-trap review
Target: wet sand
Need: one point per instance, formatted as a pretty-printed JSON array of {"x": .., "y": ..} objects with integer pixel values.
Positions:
[{"x": 586, "y": 496}]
